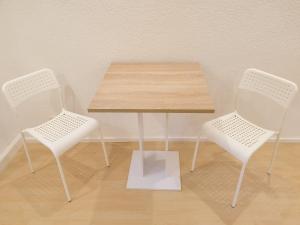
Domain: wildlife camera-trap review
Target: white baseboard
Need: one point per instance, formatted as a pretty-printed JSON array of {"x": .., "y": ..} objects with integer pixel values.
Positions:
[
  {"x": 16, "y": 144},
  {"x": 135, "y": 139},
  {"x": 187, "y": 139}
]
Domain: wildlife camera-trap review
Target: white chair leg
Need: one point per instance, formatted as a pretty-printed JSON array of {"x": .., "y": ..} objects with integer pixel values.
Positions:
[
  {"x": 166, "y": 132},
  {"x": 62, "y": 176},
  {"x": 238, "y": 187},
  {"x": 103, "y": 147},
  {"x": 195, "y": 153},
  {"x": 274, "y": 154},
  {"x": 27, "y": 153}
]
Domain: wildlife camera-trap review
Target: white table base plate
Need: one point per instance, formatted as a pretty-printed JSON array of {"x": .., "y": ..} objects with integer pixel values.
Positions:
[{"x": 161, "y": 171}]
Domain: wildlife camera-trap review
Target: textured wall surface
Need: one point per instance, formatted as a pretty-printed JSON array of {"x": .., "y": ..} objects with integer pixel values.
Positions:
[{"x": 78, "y": 39}]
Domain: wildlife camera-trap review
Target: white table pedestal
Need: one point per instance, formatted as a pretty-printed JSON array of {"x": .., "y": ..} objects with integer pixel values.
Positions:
[
  {"x": 161, "y": 171},
  {"x": 154, "y": 170}
]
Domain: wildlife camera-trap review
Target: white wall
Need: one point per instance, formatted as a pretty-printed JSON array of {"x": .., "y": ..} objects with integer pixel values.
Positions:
[{"x": 78, "y": 39}]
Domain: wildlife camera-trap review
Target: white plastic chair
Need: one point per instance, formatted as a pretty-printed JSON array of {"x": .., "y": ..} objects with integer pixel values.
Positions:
[
  {"x": 61, "y": 132},
  {"x": 240, "y": 137}
]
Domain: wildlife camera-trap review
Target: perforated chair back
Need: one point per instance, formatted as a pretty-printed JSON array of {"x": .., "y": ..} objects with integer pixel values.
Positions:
[
  {"x": 279, "y": 90},
  {"x": 22, "y": 88}
]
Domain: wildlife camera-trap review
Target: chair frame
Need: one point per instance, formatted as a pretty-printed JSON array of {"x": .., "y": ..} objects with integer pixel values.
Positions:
[
  {"x": 283, "y": 104},
  {"x": 59, "y": 91}
]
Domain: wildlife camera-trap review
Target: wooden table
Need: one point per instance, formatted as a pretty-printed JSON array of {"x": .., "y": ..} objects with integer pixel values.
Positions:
[{"x": 156, "y": 88}]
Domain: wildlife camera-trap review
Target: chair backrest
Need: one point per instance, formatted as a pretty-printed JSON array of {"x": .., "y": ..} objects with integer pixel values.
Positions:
[
  {"x": 279, "y": 90},
  {"x": 22, "y": 88}
]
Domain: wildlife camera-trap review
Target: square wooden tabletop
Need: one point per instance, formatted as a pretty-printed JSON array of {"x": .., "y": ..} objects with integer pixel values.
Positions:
[{"x": 153, "y": 87}]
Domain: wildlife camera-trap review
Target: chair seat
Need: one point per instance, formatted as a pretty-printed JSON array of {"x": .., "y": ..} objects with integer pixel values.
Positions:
[
  {"x": 63, "y": 131},
  {"x": 236, "y": 135}
]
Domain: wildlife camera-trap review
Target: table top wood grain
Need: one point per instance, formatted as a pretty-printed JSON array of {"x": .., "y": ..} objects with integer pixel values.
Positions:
[{"x": 153, "y": 87}]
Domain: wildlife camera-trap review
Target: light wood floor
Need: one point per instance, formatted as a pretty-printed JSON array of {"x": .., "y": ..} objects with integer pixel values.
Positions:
[{"x": 100, "y": 195}]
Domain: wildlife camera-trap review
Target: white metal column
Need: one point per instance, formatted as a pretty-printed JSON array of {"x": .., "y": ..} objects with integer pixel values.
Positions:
[
  {"x": 195, "y": 153},
  {"x": 141, "y": 143},
  {"x": 26, "y": 152},
  {"x": 274, "y": 153},
  {"x": 167, "y": 132},
  {"x": 103, "y": 146},
  {"x": 63, "y": 179},
  {"x": 238, "y": 187}
]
